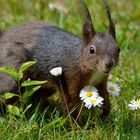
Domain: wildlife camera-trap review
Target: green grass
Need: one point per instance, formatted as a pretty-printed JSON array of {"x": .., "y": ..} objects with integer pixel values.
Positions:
[{"x": 122, "y": 123}]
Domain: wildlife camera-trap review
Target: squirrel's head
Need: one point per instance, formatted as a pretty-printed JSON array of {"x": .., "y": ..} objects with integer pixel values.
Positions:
[{"x": 100, "y": 50}]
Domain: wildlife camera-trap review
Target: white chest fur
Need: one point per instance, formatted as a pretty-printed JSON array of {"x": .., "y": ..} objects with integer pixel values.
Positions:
[{"x": 95, "y": 79}]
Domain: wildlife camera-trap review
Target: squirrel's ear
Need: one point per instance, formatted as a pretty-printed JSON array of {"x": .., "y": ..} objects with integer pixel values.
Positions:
[
  {"x": 111, "y": 24},
  {"x": 88, "y": 29}
]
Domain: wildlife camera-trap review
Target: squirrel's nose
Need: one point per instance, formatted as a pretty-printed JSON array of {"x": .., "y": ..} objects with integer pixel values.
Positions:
[{"x": 109, "y": 65}]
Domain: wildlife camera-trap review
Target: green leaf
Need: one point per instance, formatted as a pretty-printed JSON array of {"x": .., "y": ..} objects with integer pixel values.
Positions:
[
  {"x": 9, "y": 95},
  {"x": 27, "y": 108},
  {"x": 30, "y": 91},
  {"x": 13, "y": 110},
  {"x": 24, "y": 67},
  {"x": 32, "y": 83},
  {"x": 10, "y": 71}
]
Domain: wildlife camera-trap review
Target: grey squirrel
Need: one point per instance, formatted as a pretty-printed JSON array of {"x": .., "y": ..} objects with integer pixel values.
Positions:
[{"x": 86, "y": 60}]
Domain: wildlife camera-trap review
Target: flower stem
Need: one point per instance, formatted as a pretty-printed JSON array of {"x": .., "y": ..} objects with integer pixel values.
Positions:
[
  {"x": 65, "y": 102},
  {"x": 63, "y": 95}
]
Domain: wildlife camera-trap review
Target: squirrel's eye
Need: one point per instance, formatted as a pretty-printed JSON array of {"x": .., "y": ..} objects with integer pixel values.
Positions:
[{"x": 92, "y": 50}]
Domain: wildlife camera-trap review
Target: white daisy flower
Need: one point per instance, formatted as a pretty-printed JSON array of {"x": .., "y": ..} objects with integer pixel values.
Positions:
[
  {"x": 87, "y": 92},
  {"x": 57, "y": 71},
  {"x": 134, "y": 104},
  {"x": 93, "y": 101},
  {"x": 28, "y": 79},
  {"x": 51, "y": 6},
  {"x": 58, "y": 6},
  {"x": 113, "y": 88}
]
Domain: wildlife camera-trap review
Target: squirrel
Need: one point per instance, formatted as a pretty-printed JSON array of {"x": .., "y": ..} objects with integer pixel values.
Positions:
[{"x": 85, "y": 60}]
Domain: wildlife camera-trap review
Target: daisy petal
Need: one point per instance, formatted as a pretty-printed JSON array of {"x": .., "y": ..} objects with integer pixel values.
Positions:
[
  {"x": 93, "y": 101},
  {"x": 57, "y": 71},
  {"x": 134, "y": 104},
  {"x": 87, "y": 92}
]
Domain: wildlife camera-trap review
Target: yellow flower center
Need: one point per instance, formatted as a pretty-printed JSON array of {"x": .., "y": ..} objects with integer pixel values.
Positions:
[
  {"x": 112, "y": 88},
  {"x": 138, "y": 102},
  {"x": 88, "y": 93},
  {"x": 93, "y": 100}
]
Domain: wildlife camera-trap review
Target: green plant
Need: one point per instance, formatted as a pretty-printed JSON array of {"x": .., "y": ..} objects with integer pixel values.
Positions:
[{"x": 30, "y": 86}]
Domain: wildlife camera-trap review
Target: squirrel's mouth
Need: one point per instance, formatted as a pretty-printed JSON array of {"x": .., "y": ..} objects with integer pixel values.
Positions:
[{"x": 105, "y": 72}]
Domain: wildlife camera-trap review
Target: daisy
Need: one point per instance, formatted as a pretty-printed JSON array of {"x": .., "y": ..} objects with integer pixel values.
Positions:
[
  {"x": 57, "y": 71},
  {"x": 87, "y": 92},
  {"x": 93, "y": 101},
  {"x": 134, "y": 104},
  {"x": 113, "y": 88},
  {"x": 51, "y": 6},
  {"x": 58, "y": 6}
]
